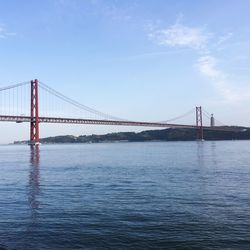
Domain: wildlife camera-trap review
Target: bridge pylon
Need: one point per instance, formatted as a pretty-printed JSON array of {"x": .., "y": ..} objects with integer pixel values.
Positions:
[
  {"x": 34, "y": 123},
  {"x": 199, "y": 124}
]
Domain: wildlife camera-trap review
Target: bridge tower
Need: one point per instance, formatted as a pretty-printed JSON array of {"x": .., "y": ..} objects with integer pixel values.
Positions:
[
  {"x": 34, "y": 123},
  {"x": 199, "y": 124}
]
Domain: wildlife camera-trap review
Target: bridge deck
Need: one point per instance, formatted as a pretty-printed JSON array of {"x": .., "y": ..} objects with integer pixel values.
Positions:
[{"x": 20, "y": 119}]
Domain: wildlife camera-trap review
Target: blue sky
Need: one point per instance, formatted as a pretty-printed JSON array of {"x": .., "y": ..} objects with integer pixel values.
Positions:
[{"x": 141, "y": 60}]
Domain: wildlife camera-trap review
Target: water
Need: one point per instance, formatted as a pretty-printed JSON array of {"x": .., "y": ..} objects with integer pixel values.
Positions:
[{"x": 173, "y": 195}]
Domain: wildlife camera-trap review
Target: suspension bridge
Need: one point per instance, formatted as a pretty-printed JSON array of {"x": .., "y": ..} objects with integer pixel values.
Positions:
[{"x": 32, "y": 102}]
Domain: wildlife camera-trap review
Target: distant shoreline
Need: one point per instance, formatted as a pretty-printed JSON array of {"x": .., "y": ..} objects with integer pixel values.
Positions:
[{"x": 145, "y": 136}]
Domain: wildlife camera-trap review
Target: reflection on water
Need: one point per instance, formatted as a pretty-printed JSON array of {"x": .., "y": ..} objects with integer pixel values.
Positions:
[
  {"x": 200, "y": 153},
  {"x": 34, "y": 179},
  {"x": 213, "y": 152},
  {"x": 203, "y": 151},
  {"x": 34, "y": 155}
]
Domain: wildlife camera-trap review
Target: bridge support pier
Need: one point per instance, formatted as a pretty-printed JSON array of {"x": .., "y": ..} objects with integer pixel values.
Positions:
[
  {"x": 199, "y": 125},
  {"x": 34, "y": 123}
]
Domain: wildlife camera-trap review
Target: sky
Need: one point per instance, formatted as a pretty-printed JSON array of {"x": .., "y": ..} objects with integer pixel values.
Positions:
[{"x": 147, "y": 60}]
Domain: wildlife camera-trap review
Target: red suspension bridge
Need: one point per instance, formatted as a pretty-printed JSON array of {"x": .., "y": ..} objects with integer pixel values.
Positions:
[{"x": 14, "y": 103}]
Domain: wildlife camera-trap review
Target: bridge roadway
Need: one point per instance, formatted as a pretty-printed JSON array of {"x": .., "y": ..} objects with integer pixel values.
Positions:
[{"x": 21, "y": 119}]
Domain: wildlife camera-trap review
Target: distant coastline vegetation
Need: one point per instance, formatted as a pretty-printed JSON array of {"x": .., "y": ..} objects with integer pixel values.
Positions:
[{"x": 170, "y": 134}]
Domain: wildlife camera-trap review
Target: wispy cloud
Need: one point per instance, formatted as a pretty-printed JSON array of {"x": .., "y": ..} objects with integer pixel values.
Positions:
[
  {"x": 207, "y": 66},
  {"x": 199, "y": 40},
  {"x": 4, "y": 33},
  {"x": 179, "y": 35},
  {"x": 112, "y": 10},
  {"x": 101, "y": 9},
  {"x": 224, "y": 38}
]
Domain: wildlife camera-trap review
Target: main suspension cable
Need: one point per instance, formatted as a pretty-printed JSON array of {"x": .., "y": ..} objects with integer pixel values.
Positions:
[
  {"x": 13, "y": 86},
  {"x": 179, "y": 117},
  {"x": 77, "y": 104}
]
